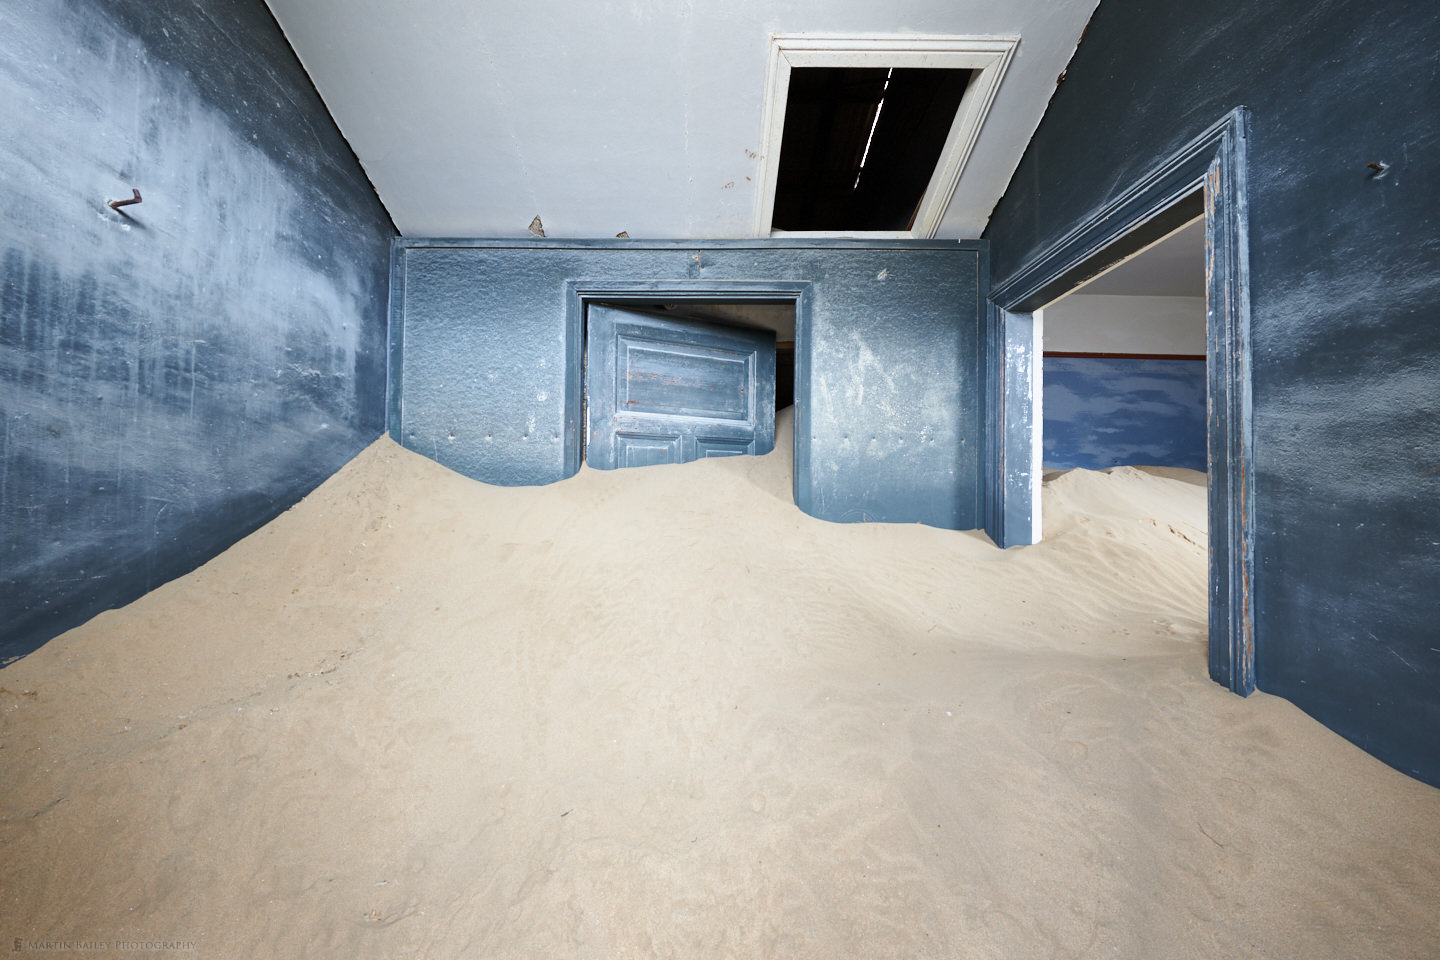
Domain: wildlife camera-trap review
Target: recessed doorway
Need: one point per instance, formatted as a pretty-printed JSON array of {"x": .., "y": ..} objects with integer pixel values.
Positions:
[
  {"x": 675, "y": 382},
  {"x": 778, "y": 311}
]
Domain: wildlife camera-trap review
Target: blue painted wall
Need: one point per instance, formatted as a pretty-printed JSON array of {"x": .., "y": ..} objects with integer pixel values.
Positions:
[
  {"x": 1345, "y": 312},
  {"x": 486, "y": 359},
  {"x": 1100, "y": 412},
  {"x": 172, "y": 379}
]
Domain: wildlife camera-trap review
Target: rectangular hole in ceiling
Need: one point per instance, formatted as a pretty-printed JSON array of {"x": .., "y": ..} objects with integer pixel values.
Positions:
[{"x": 860, "y": 145}]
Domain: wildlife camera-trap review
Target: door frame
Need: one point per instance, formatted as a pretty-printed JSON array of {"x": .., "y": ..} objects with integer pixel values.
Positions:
[
  {"x": 1213, "y": 164},
  {"x": 580, "y": 293}
]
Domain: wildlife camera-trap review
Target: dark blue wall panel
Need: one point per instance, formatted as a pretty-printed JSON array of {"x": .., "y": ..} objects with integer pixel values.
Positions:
[
  {"x": 1345, "y": 313},
  {"x": 486, "y": 338},
  {"x": 1104, "y": 411},
  {"x": 175, "y": 374}
]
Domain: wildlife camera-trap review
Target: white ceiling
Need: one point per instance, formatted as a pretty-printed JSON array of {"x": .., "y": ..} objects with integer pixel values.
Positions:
[
  {"x": 1173, "y": 267},
  {"x": 474, "y": 116}
]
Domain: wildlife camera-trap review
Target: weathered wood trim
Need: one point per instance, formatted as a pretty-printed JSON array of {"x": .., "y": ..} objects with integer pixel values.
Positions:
[
  {"x": 1012, "y": 505},
  {"x": 395, "y": 341},
  {"x": 1230, "y": 420},
  {"x": 1213, "y": 166},
  {"x": 1160, "y": 202}
]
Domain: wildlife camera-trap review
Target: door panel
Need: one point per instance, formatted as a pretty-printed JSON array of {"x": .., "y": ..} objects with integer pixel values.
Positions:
[
  {"x": 673, "y": 380},
  {"x": 638, "y": 450},
  {"x": 716, "y": 447},
  {"x": 666, "y": 389}
]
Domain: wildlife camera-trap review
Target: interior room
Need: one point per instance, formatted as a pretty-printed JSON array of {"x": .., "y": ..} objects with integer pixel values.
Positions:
[
  {"x": 644, "y": 479},
  {"x": 1123, "y": 373}
]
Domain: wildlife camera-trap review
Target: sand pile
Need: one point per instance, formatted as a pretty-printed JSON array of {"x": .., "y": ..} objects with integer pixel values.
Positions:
[{"x": 661, "y": 712}]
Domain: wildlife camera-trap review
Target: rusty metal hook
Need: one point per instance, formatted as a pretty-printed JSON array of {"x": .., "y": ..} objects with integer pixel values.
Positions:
[{"x": 117, "y": 204}]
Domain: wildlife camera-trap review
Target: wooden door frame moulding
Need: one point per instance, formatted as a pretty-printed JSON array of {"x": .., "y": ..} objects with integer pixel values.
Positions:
[
  {"x": 580, "y": 292},
  {"x": 1214, "y": 162},
  {"x": 989, "y": 57}
]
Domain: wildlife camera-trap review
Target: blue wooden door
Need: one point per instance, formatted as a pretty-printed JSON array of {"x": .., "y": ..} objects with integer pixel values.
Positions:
[{"x": 664, "y": 389}]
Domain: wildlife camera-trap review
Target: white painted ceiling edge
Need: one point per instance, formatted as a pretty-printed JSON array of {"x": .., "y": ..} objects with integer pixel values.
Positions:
[{"x": 471, "y": 117}]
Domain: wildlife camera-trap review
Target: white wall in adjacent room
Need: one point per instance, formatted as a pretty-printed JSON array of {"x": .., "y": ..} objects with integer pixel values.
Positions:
[{"x": 1095, "y": 323}]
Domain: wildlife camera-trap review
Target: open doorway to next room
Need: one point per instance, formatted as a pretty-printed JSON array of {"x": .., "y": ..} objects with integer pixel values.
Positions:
[
  {"x": 1124, "y": 363},
  {"x": 673, "y": 382}
]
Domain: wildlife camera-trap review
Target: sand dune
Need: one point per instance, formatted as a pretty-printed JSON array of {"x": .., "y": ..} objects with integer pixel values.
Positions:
[{"x": 661, "y": 712}]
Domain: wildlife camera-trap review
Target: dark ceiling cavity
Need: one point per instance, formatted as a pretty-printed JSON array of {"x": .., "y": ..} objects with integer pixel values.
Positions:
[{"x": 861, "y": 144}]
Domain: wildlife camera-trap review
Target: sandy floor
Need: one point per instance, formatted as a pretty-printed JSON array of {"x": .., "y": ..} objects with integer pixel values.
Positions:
[{"x": 662, "y": 713}]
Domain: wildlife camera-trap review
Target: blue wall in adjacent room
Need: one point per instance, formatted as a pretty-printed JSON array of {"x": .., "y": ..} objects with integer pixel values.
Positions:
[
  {"x": 1344, "y": 301},
  {"x": 1105, "y": 411},
  {"x": 486, "y": 337},
  {"x": 175, "y": 374}
]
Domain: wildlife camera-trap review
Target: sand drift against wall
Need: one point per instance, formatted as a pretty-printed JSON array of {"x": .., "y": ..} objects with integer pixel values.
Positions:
[{"x": 661, "y": 712}]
